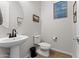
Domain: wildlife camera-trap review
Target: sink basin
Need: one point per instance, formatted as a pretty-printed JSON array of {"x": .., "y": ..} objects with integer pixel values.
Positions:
[{"x": 10, "y": 42}]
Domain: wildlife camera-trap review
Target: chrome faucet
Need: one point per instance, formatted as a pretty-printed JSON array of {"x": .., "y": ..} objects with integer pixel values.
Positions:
[{"x": 14, "y": 33}]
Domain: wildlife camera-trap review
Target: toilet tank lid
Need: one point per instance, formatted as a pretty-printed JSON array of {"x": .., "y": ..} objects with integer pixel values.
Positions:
[{"x": 36, "y": 36}]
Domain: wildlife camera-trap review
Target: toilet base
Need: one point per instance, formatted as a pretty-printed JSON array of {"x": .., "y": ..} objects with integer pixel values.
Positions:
[{"x": 43, "y": 52}]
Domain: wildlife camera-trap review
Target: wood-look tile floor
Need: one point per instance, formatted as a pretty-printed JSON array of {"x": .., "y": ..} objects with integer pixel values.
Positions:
[{"x": 55, "y": 54}]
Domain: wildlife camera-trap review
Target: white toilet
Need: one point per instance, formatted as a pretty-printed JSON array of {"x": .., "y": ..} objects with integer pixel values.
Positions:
[{"x": 43, "y": 48}]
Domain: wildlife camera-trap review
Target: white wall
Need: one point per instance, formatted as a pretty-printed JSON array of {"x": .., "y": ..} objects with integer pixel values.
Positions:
[
  {"x": 77, "y": 30},
  {"x": 28, "y": 27},
  {"x": 61, "y": 28}
]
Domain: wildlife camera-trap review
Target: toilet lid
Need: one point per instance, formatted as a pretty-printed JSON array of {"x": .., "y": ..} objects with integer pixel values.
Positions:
[{"x": 44, "y": 44}]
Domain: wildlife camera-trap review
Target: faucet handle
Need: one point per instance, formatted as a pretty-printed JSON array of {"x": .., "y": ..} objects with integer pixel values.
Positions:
[{"x": 9, "y": 35}]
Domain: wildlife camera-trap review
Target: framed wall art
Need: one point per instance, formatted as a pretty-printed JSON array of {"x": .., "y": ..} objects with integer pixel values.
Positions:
[
  {"x": 35, "y": 18},
  {"x": 75, "y": 12},
  {"x": 60, "y": 9},
  {"x": 19, "y": 20}
]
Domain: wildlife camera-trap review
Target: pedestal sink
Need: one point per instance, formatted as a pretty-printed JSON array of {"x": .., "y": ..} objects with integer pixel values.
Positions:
[{"x": 13, "y": 44}]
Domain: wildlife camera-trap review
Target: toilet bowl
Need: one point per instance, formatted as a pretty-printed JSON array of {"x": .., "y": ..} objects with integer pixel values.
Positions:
[{"x": 44, "y": 49}]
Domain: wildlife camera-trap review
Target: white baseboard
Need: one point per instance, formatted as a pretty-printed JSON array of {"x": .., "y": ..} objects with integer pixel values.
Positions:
[
  {"x": 62, "y": 51},
  {"x": 4, "y": 56},
  {"x": 27, "y": 56}
]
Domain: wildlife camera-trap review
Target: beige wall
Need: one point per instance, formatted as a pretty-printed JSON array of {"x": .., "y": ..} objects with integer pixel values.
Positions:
[{"x": 61, "y": 28}]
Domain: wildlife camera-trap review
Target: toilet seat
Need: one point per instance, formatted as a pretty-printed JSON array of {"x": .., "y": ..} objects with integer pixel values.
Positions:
[{"x": 44, "y": 45}]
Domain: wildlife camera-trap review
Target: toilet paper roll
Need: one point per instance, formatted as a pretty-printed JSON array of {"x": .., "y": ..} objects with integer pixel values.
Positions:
[{"x": 54, "y": 38}]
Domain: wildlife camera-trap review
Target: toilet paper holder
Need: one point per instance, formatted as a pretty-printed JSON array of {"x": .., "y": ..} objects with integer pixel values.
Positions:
[{"x": 54, "y": 38}]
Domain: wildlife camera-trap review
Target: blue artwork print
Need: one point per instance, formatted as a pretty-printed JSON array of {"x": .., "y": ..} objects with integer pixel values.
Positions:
[{"x": 60, "y": 9}]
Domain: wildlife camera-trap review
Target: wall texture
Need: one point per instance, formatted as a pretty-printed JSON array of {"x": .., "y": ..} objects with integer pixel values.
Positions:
[{"x": 61, "y": 28}]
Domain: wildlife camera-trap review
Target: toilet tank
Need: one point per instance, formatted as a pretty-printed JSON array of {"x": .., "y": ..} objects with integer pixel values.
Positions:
[{"x": 36, "y": 39}]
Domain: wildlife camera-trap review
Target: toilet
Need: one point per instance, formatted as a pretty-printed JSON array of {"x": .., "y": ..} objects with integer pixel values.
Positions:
[{"x": 43, "y": 48}]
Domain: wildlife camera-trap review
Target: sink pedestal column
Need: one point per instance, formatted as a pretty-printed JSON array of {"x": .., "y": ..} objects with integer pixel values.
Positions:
[{"x": 15, "y": 52}]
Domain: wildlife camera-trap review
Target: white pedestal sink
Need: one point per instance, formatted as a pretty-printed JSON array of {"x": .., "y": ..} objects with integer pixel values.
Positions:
[{"x": 13, "y": 44}]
